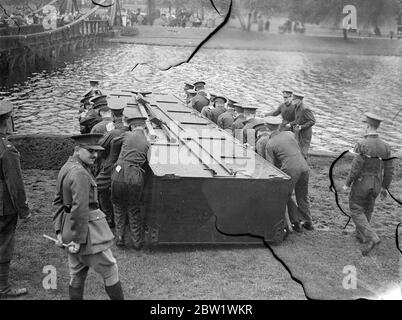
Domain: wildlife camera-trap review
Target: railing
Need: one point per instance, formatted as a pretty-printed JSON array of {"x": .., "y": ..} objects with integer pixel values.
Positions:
[
  {"x": 26, "y": 29},
  {"x": 73, "y": 30}
]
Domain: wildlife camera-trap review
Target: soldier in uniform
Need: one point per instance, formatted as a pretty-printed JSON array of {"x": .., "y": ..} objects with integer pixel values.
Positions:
[
  {"x": 206, "y": 111},
  {"x": 80, "y": 223},
  {"x": 303, "y": 124},
  {"x": 191, "y": 93},
  {"x": 106, "y": 124},
  {"x": 285, "y": 109},
  {"x": 238, "y": 122},
  {"x": 92, "y": 117},
  {"x": 110, "y": 155},
  {"x": 368, "y": 177},
  {"x": 219, "y": 108},
  {"x": 117, "y": 107},
  {"x": 128, "y": 178},
  {"x": 226, "y": 119},
  {"x": 13, "y": 202},
  {"x": 187, "y": 86},
  {"x": 200, "y": 100},
  {"x": 282, "y": 150},
  {"x": 248, "y": 132}
]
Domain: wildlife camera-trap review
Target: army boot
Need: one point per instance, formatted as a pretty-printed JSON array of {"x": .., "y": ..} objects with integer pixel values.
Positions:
[
  {"x": 6, "y": 291},
  {"x": 115, "y": 292},
  {"x": 76, "y": 293}
]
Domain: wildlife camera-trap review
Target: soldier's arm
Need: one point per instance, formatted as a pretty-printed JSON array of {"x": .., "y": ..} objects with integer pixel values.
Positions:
[
  {"x": 115, "y": 147},
  {"x": 13, "y": 178},
  {"x": 260, "y": 148},
  {"x": 80, "y": 189},
  {"x": 275, "y": 113},
  {"x": 357, "y": 165},
  {"x": 388, "y": 171},
  {"x": 309, "y": 119}
]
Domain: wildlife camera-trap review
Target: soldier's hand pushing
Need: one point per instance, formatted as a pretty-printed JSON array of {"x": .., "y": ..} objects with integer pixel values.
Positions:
[
  {"x": 59, "y": 242},
  {"x": 73, "y": 247}
]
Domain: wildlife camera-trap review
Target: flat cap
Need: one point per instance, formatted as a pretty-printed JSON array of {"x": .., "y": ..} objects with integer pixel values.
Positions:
[
  {"x": 6, "y": 107},
  {"x": 94, "y": 82},
  {"x": 88, "y": 141},
  {"x": 287, "y": 92},
  {"x": 250, "y": 109},
  {"x": 274, "y": 121},
  {"x": 298, "y": 95},
  {"x": 199, "y": 84},
  {"x": 231, "y": 101},
  {"x": 98, "y": 99},
  {"x": 188, "y": 85},
  {"x": 192, "y": 91},
  {"x": 116, "y": 103},
  {"x": 220, "y": 97},
  {"x": 133, "y": 113},
  {"x": 372, "y": 118}
]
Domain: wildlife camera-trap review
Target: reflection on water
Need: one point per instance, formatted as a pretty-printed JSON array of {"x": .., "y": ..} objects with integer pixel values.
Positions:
[{"x": 338, "y": 88}]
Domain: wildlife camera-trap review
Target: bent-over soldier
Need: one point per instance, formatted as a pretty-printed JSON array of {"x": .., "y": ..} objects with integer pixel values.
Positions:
[
  {"x": 368, "y": 176},
  {"x": 80, "y": 223},
  {"x": 128, "y": 178},
  {"x": 226, "y": 119},
  {"x": 200, "y": 100},
  {"x": 282, "y": 150},
  {"x": 219, "y": 108},
  {"x": 13, "y": 202}
]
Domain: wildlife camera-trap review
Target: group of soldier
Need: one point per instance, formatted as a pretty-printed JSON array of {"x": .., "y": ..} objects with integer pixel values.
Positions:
[{"x": 100, "y": 186}]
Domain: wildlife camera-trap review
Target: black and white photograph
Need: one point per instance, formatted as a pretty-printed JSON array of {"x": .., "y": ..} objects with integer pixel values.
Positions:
[{"x": 213, "y": 152}]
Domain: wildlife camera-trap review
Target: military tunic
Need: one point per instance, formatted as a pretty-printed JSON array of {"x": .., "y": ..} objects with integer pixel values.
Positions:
[
  {"x": 128, "y": 183},
  {"x": 104, "y": 126},
  {"x": 13, "y": 203},
  {"x": 304, "y": 117},
  {"x": 199, "y": 101},
  {"x": 287, "y": 111},
  {"x": 88, "y": 121},
  {"x": 282, "y": 150},
  {"x": 367, "y": 176},
  {"x": 215, "y": 113},
  {"x": 78, "y": 219},
  {"x": 103, "y": 179}
]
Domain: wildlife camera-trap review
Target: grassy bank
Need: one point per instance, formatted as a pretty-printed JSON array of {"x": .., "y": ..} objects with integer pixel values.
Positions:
[
  {"x": 207, "y": 272},
  {"x": 229, "y": 38}
]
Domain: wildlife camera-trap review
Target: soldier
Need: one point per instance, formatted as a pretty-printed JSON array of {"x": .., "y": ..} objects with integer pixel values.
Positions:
[
  {"x": 219, "y": 108},
  {"x": 200, "y": 100},
  {"x": 117, "y": 107},
  {"x": 191, "y": 93},
  {"x": 368, "y": 177},
  {"x": 92, "y": 117},
  {"x": 239, "y": 120},
  {"x": 226, "y": 119},
  {"x": 81, "y": 225},
  {"x": 110, "y": 155},
  {"x": 13, "y": 202},
  {"x": 206, "y": 111},
  {"x": 106, "y": 124},
  {"x": 302, "y": 125},
  {"x": 128, "y": 178},
  {"x": 285, "y": 109},
  {"x": 248, "y": 132},
  {"x": 282, "y": 150},
  {"x": 187, "y": 86}
]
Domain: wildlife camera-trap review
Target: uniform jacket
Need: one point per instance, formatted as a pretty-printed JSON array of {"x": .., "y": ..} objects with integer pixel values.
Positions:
[
  {"x": 110, "y": 155},
  {"x": 215, "y": 113},
  {"x": 283, "y": 151},
  {"x": 226, "y": 119},
  {"x": 199, "y": 101},
  {"x": 305, "y": 118},
  {"x": 372, "y": 145},
  {"x": 287, "y": 111},
  {"x": 104, "y": 126},
  {"x": 134, "y": 153},
  {"x": 13, "y": 199},
  {"x": 90, "y": 119},
  {"x": 77, "y": 216}
]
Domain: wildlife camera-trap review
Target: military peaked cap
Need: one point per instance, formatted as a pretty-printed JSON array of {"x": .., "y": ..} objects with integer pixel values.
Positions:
[
  {"x": 373, "y": 119},
  {"x": 88, "y": 141},
  {"x": 6, "y": 107}
]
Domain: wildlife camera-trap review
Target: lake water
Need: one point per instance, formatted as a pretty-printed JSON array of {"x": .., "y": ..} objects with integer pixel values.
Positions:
[{"x": 338, "y": 88}]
